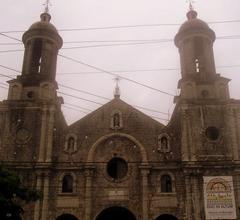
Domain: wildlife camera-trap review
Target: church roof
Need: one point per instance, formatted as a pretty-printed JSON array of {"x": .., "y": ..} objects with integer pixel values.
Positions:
[{"x": 129, "y": 114}]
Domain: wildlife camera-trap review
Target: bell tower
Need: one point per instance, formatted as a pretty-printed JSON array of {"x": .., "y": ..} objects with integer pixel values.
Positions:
[
  {"x": 204, "y": 104},
  {"x": 199, "y": 78},
  {"x": 37, "y": 81},
  {"x": 195, "y": 42},
  {"x": 42, "y": 43}
]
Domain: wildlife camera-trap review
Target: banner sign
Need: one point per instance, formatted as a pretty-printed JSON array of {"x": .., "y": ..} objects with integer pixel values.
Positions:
[{"x": 219, "y": 198}]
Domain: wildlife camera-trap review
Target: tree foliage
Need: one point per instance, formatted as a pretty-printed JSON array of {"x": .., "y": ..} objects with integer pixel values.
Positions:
[{"x": 13, "y": 195}]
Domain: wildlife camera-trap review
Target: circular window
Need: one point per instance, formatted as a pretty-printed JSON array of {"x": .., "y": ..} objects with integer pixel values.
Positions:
[
  {"x": 212, "y": 133},
  {"x": 22, "y": 136},
  {"x": 117, "y": 168},
  {"x": 30, "y": 94},
  {"x": 204, "y": 93}
]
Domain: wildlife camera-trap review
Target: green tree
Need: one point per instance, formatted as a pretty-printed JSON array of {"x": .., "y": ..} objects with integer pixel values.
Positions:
[{"x": 13, "y": 195}]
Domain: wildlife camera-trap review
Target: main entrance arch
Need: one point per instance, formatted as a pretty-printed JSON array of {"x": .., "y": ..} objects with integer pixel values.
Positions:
[
  {"x": 166, "y": 217},
  {"x": 66, "y": 217},
  {"x": 116, "y": 213}
]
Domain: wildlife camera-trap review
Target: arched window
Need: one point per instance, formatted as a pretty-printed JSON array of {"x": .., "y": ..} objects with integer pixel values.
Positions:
[
  {"x": 67, "y": 184},
  {"x": 166, "y": 184},
  {"x": 37, "y": 55}
]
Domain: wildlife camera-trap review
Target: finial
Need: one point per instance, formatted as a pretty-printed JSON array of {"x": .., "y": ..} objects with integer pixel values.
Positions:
[
  {"x": 45, "y": 16},
  {"x": 191, "y": 8},
  {"x": 117, "y": 89},
  {"x": 47, "y": 4},
  {"x": 191, "y": 13}
]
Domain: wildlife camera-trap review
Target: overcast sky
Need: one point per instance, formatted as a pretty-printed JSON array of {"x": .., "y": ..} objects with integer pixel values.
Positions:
[{"x": 18, "y": 15}]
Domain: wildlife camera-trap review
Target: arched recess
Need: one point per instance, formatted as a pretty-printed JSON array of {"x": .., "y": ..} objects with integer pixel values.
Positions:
[
  {"x": 116, "y": 213},
  {"x": 94, "y": 146},
  {"x": 66, "y": 217},
  {"x": 166, "y": 217}
]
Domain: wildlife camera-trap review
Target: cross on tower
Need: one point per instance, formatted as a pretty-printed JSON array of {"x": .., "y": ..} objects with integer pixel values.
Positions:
[
  {"x": 47, "y": 4},
  {"x": 191, "y": 2}
]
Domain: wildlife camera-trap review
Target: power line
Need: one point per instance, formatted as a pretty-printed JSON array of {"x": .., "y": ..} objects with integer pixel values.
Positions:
[
  {"x": 123, "y": 26},
  {"x": 78, "y": 110},
  {"x": 82, "y": 91},
  {"x": 116, "y": 44},
  {"x": 77, "y": 97},
  {"x": 12, "y": 38},
  {"x": 77, "y": 106},
  {"x": 137, "y": 70},
  {"x": 227, "y": 37},
  {"x": 78, "y": 90},
  {"x": 115, "y": 75}
]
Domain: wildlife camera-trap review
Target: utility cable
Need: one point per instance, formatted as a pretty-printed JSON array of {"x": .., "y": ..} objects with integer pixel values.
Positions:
[
  {"x": 78, "y": 90},
  {"x": 115, "y": 75},
  {"x": 124, "y": 26}
]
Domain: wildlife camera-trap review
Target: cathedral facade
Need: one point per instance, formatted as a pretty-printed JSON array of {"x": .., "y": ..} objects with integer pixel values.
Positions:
[{"x": 116, "y": 162}]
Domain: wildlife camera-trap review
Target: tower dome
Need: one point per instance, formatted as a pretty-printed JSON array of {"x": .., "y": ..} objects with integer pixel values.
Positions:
[
  {"x": 193, "y": 26},
  {"x": 195, "y": 43},
  {"x": 42, "y": 43}
]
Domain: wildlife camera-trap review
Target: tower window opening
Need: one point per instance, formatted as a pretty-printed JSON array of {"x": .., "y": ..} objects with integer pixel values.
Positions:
[
  {"x": 197, "y": 66},
  {"x": 166, "y": 184},
  {"x": 37, "y": 56},
  {"x": 67, "y": 184}
]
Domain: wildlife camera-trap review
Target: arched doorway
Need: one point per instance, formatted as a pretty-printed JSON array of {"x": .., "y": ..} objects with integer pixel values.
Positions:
[
  {"x": 116, "y": 213},
  {"x": 66, "y": 217},
  {"x": 166, "y": 217}
]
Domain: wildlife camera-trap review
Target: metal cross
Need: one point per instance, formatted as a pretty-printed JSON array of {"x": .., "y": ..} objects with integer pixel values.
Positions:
[
  {"x": 47, "y": 4},
  {"x": 190, "y": 2}
]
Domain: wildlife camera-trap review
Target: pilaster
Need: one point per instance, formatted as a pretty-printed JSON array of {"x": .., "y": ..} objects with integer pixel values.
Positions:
[
  {"x": 50, "y": 135},
  {"x": 145, "y": 170},
  {"x": 89, "y": 171},
  {"x": 45, "y": 196},
  {"x": 43, "y": 135}
]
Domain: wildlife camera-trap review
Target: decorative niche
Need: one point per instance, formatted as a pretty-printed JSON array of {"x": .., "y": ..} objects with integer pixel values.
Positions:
[
  {"x": 116, "y": 120},
  {"x": 163, "y": 143},
  {"x": 70, "y": 145}
]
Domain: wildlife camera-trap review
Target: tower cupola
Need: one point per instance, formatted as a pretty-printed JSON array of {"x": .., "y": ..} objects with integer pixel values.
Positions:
[
  {"x": 195, "y": 43},
  {"x": 42, "y": 43}
]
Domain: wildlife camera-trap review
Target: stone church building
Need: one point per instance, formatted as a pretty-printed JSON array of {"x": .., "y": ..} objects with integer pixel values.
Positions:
[{"x": 116, "y": 162}]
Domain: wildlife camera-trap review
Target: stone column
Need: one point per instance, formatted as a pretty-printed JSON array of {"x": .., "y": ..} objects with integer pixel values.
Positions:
[
  {"x": 232, "y": 133},
  {"x": 37, "y": 203},
  {"x": 236, "y": 182},
  {"x": 188, "y": 204},
  {"x": 89, "y": 170},
  {"x": 43, "y": 135},
  {"x": 45, "y": 196},
  {"x": 238, "y": 127},
  {"x": 50, "y": 135},
  {"x": 145, "y": 172},
  {"x": 184, "y": 139},
  {"x": 196, "y": 199}
]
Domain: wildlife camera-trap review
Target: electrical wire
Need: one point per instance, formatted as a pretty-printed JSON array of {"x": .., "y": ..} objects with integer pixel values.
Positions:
[
  {"x": 115, "y": 75},
  {"x": 124, "y": 26},
  {"x": 227, "y": 37},
  {"x": 64, "y": 86}
]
